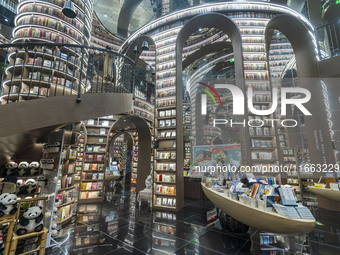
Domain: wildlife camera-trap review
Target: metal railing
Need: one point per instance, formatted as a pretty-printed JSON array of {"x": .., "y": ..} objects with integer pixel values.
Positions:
[
  {"x": 328, "y": 37},
  {"x": 39, "y": 70}
]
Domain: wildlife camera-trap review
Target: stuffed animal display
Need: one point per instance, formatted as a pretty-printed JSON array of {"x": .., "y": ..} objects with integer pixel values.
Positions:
[
  {"x": 11, "y": 169},
  {"x": 28, "y": 187},
  {"x": 31, "y": 221},
  {"x": 8, "y": 204},
  {"x": 23, "y": 169},
  {"x": 34, "y": 168}
]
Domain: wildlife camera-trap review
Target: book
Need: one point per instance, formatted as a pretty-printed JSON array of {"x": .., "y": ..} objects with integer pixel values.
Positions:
[
  {"x": 287, "y": 196},
  {"x": 94, "y": 185},
  {"x": 86, "y": 166},
  {"x": 287, "y": 211}
]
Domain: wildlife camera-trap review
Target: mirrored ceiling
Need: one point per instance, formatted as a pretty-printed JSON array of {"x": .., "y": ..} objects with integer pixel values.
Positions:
[{"x": 123, "y": 17}]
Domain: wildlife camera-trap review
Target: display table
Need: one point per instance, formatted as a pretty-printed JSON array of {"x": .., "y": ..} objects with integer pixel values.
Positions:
[
  {"x": 144, "y": 195},
  {"x": 327, "y": 198},
  {"x": 257, "y": 218}
]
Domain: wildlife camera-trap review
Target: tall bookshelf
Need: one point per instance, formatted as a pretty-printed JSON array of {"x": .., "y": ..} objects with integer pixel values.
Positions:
[
  {"x": 35, "y": 72},
  {"x": 93, "y": 173}
]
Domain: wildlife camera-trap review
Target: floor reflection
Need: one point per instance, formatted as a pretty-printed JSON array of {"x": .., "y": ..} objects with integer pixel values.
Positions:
[{"x": 119, "y": 226}]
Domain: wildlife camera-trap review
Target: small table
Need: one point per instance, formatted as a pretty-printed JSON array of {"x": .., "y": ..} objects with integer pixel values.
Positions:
[{"x": 144, "y": 195}]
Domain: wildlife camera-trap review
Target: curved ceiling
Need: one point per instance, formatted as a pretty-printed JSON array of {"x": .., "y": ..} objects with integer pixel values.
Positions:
[{"x": 123, "y": 17}]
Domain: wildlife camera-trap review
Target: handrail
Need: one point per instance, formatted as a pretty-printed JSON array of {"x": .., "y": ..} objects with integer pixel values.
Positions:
[
  {"x": 39, "y": 70},
  {"x": 328, "y": 39}
]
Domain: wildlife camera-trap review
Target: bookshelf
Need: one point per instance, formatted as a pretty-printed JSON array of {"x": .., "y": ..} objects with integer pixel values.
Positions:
[
  {"x": 35, "y": 72},
  {"x": 134, "y": 165},
  {"x": 91, "y": 187},
  {"x": 58, "y": 164}
]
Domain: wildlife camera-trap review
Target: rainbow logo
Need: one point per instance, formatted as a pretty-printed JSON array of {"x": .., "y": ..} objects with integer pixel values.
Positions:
[{"x": 210, "y": 94}]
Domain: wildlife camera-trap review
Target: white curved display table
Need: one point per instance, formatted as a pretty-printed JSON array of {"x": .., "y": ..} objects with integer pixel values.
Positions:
[
  {"x": 327, "y": 198},
  {"x": 256, "y": 218},
  {"x": 326, "y": 193}
]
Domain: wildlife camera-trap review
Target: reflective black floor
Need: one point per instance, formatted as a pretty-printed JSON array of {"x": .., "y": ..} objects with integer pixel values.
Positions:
[{"x": 121, "y": 227}]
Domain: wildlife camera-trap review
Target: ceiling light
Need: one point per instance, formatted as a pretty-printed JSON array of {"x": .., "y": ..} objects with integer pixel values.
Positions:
[{"x": 69, "y": 10}]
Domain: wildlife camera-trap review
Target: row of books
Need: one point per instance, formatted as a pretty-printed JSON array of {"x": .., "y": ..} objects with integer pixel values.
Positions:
[
  {"x": 165, "y": 66},
  {"x": 165, "y": 178},
  {"x": 93, "y": 167},
  {"x": 98, "y": 148},
  {"x": 166, "y": 93},
  {"x": 259, "y": 131},
  {"x": 166, "y": 103},
  {"x": 54, "y": 13},
  {"x": 143, "y": 105},
  {"x": 25, "y": 89},
  {"x": 104, "y": 123},
  {"x": 261, "y": 143},
  {"x": 67, "y": 182},
  {"x": 170, "y": 73},
  {"x": 290, "y": 159},
  {"x": 249, "y": 14},
  {"x": 64, "y": 197},
  {"x": 282, "y": 52},
  {"x": 259, "y": 87},
  {"x": 260, "y": 57},
  {"x": 143, "y": 114},
  {"x": 251, "y": 23},
  {"x": 263, "y": 155},
  {"x": 165, "y": 190},
  {"x": 167, "y": 113},
  {"x": 95, "y": 157},
  {"x": 166, "y": 155},
  {"x": 91, "y": 185},
  {"x": 90, "y": 194},
  {"x": 48, "y": 22},
  {"x": 251, "y": 48},
  {"x": 252, "y": 40},
  {"x": 43, "y": 34},
  {"x": 251, "y": 32},
  {"x": 255, "y": 66},
  {"x": 93, "y": 176},
  {"x": 165, "y": 58},
  {"x": 167, "y": 123},
  {"x": 165, "y": 167},
  {"x": 166, "y": 202},
  {"x": 256, "y": 76},
  {"x": 166, "y": 134}
]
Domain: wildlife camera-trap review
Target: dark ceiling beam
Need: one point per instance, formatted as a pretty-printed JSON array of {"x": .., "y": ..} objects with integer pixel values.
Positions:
[
  {"x": 125, "y": 15},
  {"x": 210, "y": 48}
]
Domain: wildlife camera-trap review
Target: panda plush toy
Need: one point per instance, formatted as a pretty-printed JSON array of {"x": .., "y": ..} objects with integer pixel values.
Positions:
[
  {"x": 21, "y": 189},
  {"x": 8, "y": 204},
  {"x": 31, "y": 186},
  {"x": 24, "y": 169},
  {"x": 11, "y": 169},
  {"x": 34, "y": 168},
  {"x": 31, "y": 221}
]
